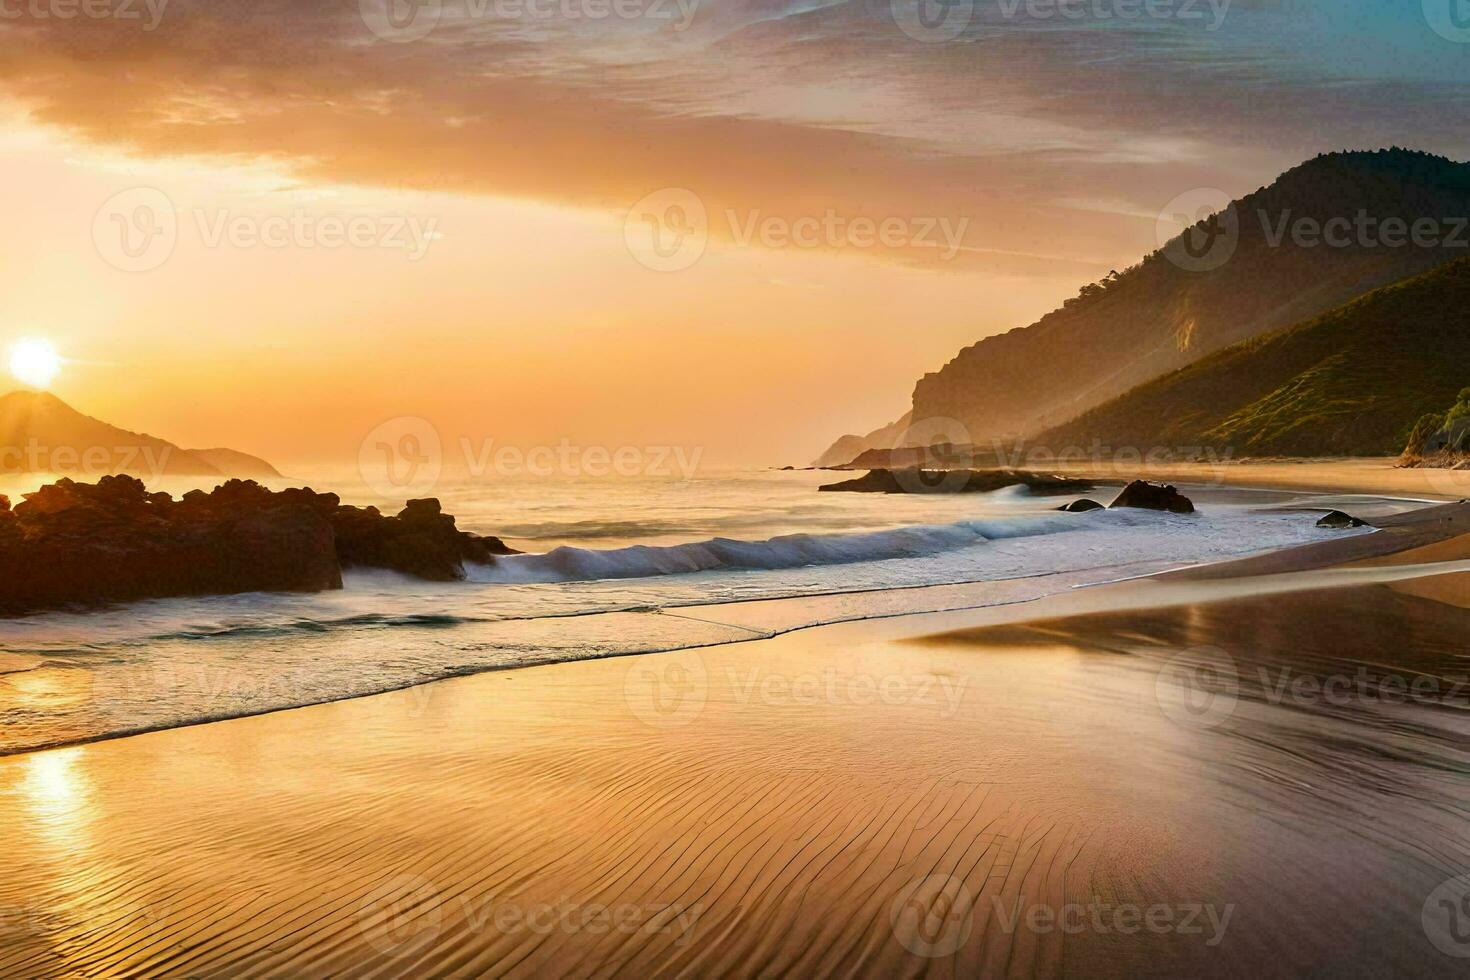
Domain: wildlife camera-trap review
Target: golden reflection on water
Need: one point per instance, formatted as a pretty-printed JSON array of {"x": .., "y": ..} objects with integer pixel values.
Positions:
[{"x": 46, "y": 688}]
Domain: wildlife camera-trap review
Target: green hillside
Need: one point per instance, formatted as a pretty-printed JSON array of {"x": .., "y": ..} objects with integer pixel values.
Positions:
[{"x": 1352, "y": 382}]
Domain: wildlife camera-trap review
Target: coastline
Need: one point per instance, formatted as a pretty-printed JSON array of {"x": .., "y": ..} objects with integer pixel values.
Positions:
[
  {"x": 728, "y": 801},
  {"x": 64, "y": 695}
]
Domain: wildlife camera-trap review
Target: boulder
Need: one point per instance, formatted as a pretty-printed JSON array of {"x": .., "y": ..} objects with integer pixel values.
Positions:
[
  {"x": 1337, "y": 519},
  {"x": 1152, "y": 496},
  {"x": 1081, "y": 506}
]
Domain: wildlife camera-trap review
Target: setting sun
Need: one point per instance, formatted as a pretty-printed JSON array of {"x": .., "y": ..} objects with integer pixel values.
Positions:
[{"x": 34, "y": 362}]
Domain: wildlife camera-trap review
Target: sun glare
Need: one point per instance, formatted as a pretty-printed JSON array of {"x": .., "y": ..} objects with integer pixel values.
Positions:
[{"x": 34, "y": 362}]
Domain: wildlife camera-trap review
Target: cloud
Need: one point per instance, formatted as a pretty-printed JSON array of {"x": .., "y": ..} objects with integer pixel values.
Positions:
[{"x": 771, "y": 108}]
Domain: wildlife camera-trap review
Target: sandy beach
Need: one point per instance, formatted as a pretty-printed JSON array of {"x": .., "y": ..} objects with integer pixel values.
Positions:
[
  {"x": 1151, "y": 778},
  {"x": 1379, "y": 476}
]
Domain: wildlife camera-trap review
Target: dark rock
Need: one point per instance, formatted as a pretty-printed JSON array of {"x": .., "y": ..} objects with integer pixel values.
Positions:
[
  {"x": 1337, "y": 519},
  {"x": 956, "y": 481},
  {"x": 87, "y": 544},
  {"x": 79, "y": 544},
  {"x": 1081, "y": 506},
  {"x": 421, "y": 541},
  {"x": 1152, "y": 496}
]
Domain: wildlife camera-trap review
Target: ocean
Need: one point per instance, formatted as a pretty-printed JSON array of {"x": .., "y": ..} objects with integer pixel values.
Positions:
[{"x": 613, "y": 566}]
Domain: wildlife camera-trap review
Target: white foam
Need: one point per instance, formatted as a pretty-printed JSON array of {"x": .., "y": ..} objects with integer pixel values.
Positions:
[{"x": 568, "y": 564}]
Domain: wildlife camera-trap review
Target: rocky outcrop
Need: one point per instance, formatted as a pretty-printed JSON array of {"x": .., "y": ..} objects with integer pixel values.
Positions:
[
  {"x": 81, "y": 544},
  {"x": 1152, "y": 496},
  {"x": 1337, "y": 520},
  {"x": 956, "y": 481},
  {"x": 85, "y": 544},
  {"x": 1081, "y": 506},
  {"x": 421, "y": 541}
]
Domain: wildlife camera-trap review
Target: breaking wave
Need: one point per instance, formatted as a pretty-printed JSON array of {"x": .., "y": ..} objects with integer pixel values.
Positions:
[{"x": 567, "y": 564}]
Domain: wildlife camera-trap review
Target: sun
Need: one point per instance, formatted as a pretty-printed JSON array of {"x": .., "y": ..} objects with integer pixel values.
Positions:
[{"x": 34, "y": 362}]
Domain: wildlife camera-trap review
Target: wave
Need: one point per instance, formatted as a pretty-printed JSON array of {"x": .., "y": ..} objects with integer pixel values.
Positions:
[{"x": 567, "y": 564}]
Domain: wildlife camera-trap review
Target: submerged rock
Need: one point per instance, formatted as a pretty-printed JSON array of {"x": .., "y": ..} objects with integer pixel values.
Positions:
[
  {"x": 1081, "y": 506},
  {"x": 1337, "y": 519},
  {"x": 1152, "y": 496},
  {"x": 80, "y": 544},
  {"x": 956, "y": 481}
]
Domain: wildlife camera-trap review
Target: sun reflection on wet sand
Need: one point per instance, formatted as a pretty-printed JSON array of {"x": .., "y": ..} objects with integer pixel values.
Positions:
[{"x": 56, "y": 791}]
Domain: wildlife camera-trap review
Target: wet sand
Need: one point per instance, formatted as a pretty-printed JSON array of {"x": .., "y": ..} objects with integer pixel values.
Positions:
[{"x": 1154, "y": 778}]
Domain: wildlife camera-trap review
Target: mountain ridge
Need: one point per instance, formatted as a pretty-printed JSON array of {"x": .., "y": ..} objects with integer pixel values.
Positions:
[
  {"x": 1355, "y": 381},
  {"x": 1158, "y": 316},
  {"x": 40, "y": 433}
]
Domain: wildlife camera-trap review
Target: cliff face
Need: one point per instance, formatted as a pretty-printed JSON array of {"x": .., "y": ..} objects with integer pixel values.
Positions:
[
  {"x": 1168, "y": 312},
  {"x": 1360, "y": 380}
]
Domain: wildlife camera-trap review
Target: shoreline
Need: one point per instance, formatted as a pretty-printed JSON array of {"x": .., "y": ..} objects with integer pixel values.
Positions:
[
  {"x": 745, "y": 620},
  {"x": 808, "y": 787}
]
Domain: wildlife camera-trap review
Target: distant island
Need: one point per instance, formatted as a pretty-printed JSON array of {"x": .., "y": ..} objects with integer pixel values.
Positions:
[{"x": 40, "y": 433}]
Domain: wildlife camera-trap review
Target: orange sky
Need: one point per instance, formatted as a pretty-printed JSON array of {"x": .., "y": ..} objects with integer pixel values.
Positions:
[{"x": 491, "y": 166}]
